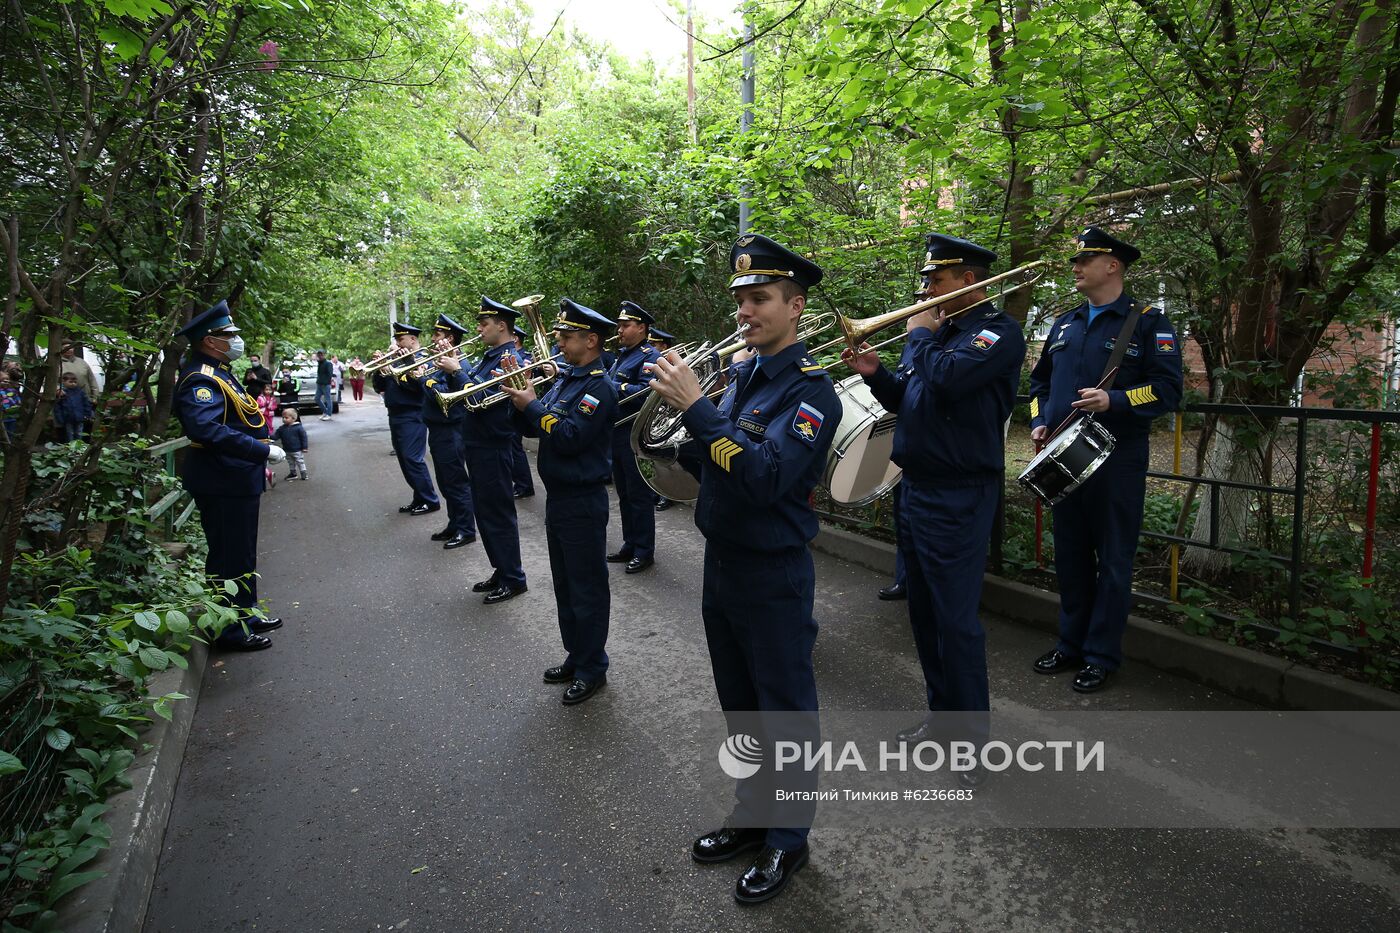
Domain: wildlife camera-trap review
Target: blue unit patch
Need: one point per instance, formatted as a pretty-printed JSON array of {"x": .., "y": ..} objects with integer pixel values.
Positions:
[{"x": 202, "y": 394}]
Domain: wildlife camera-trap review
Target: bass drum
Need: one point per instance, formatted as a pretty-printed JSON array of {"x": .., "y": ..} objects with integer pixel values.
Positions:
[
  {"x": 1067, "y": 461},
  {"x": 858, "y": 467}
]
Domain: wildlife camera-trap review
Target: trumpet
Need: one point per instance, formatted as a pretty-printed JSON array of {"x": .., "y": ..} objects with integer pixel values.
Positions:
[
  {"x": 515, "y": 378},
  {"x": 393, "y": 355},
  {"x": 411, "y": 365}
]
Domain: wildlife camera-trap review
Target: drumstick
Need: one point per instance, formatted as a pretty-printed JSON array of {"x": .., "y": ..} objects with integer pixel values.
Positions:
[{"x": 1108, "y": 378}]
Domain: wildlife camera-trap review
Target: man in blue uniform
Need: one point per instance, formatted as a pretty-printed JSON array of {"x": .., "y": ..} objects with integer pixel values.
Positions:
[
  {"x": 486, "y": 438},
  {"x": 223, "y": 469},
  {"x": 635, "y": 499},
  {"x": 403, "y": 399},
  {"x": 574, "y": 424},
  {"x": 522, "y": 480},
  {"x": 1096, "y": 527},
  {"x": 764, "y": 447},
  {"x": 445, "y": 437},
  {"x": 953, "y": 399}
]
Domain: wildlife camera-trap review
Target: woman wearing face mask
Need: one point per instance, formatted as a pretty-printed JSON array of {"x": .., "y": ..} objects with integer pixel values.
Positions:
[{"x": 223, "y": 469}]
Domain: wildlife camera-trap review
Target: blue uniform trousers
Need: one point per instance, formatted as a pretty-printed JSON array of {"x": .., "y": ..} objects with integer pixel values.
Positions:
[
  {"x": 521, "y": 477},
  {"x": 635, "y": 499},
  {"x": 1096, "y": 535},
  {"x": 445, "y": 442},
  {"x": 944, "y": 534},
  {"x": 900, "y": 574},
  {"x": 489, "y": 470},
  {"x": 410, "y": 439},
  {"x": 576, "y": 529},
  {"x": 231, "y": 527},
  {"x": 757, "y": 609}
]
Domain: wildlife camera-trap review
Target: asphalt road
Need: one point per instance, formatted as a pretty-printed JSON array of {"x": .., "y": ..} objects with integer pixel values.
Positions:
[{"x": 394, "y": 761}]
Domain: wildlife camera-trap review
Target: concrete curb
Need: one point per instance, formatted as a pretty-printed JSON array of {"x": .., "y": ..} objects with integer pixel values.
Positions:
[
  {"x": 116, "y": 902},
  {"x": 1251, "y": 675}
]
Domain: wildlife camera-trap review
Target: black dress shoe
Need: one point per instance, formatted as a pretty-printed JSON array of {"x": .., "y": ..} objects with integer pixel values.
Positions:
[
  {"x": 620, "y": 557},
  {"x": 423, "y": 508},
  {"x": 894, "y": 591},
  {"x": 971, "y": 780},
  {"x": 442, "y": 535},
  {"x": 458, "y": 540},
  {"x": 525, "y": 495},
  {"x": 405, "y": 509},
  {"x": 1091, "y": 679},
  {"x": 251, "y": 643},
  {"x": 725, "y": 843},
  {"x": 1055, "y": 662},
  {"x": 558, "y": 675},
  {"x": 923, "y": 732},
  {"x": 502, "y": 593},
  {"x": 258, "y": 626},
  {"x": 581, "y": 690},
  {"x": 486, "y": 586},
  {"x": 663, "y": 505},
  {"x": 769, "y": 874},
  {"x": 638, "y": 564}
]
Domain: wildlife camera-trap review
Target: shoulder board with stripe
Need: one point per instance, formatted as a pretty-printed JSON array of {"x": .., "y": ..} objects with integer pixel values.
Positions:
[
  {"x": 206, "y": 370},
  {"x": 808, "y": 366},
  {"x": 1145, "y": 307},
  {"x": 597, "y": 372}
]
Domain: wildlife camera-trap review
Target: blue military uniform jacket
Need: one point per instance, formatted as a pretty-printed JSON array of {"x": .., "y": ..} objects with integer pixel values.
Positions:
[
  {"x": 1075, "y": 353},
  {"x": 574, "y": 422},
  {"x": 764, "y": 447},
  {"x": 493, "y": 427},
  {"x": 402, "y": 394},
  {"x": 228, "y": 434},
  {"x": 953, "y": 392},
  {"x": 629, "y": 377},
  {"x": 435, "y": 383}
]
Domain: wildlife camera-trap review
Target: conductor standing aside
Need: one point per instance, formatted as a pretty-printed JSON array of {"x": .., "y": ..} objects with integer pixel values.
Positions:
[
  {"x": 765, "y": 446},
  {"x": 635, "y": 498},
  {"x": 223, "y": 469},
  {"x": 574, "y": 424},
  {"x": 486, "y": 441},
  {"x": 445, "y": 437},
  {"x": 953, "y": 398},
  {"x": 403, "y": 399},
  {"x": 1096, "y": 527}
]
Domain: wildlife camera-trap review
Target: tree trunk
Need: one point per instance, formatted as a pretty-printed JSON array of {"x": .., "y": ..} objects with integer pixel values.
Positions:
[{"x": 1236, "y": 455}]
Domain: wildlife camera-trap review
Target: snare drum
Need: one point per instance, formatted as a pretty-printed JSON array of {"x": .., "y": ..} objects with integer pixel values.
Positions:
[
  {"x": 1067, "y": 461},
  {"x": 858, "y": 467}
]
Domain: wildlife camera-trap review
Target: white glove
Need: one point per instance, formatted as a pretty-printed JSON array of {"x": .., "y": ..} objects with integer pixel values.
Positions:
[{"x": 275, "y": 454}]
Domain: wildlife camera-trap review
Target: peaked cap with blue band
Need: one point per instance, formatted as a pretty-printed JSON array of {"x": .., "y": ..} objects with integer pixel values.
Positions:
[
  {"x": 574, "y": 316},
  {"x": 631, "y": 311},
  {"x": 1095, "y": 242},
  {"x": 942, "y": 250},
  {"x": 491, "y": 308},
  {"x": 519, "y": 331},
  {"x": 660, "y": 336},
  {"x": 446, "y": 323},
  {"x": 401, "y": 328},
  {"x": 756, "y": 259},
  {"x": 217, "y": 318}
]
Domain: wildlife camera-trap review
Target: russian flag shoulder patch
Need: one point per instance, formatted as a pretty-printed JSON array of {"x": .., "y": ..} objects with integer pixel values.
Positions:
[
  {"x": 986, "y": 339},
  {"x": 807, "y": 423},
  {"x": 1166, "y": 343},
  {"x": 588, "y": 404}
]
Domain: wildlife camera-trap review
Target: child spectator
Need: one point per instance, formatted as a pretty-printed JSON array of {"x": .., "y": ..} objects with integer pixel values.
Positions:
[
  {"x": 9, "y": 401},
  {"x": 72, "y": 409},
  {"x": 291, "y": 437},
  {"x": 268, "y": 404}
]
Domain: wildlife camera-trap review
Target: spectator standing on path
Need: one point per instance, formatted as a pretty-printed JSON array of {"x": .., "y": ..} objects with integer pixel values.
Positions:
[
  {"x": 325, "y": 379},
  {"x": 72, "y": 410},
  {"x": 257, "y": 375},
  {"x": 223, "y": 467},
  {"x": 355, "y": 372},
  {"x": 292, "y": 438},
  {"x": 269, "y": 405},
  {"x": 287, "y": 387},
  {"x": 74, "y": 363}
]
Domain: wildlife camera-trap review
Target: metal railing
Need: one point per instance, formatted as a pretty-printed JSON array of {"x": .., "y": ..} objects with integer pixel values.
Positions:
[{"x": 163, "y": 505}]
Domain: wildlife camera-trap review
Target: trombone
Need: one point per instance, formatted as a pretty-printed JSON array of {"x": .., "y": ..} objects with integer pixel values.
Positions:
[{"x": 854, "y": 331}]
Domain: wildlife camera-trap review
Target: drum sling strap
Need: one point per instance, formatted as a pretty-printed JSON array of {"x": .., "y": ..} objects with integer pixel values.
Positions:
[{"x": 1120, "y": 347}]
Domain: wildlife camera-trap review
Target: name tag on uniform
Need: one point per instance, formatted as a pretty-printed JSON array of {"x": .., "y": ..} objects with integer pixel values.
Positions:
[
  {"x": 1131, "y": 351},
  {"x": 1055, "y": 346},
  {"x": 752, "y": 426}
]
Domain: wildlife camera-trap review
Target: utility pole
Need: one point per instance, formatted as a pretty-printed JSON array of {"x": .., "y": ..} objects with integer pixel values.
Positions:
[
  {"x": 746, "y": 121},
  {"x": 393, "y": 312},
  {"x": 690, "y": 69}
]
